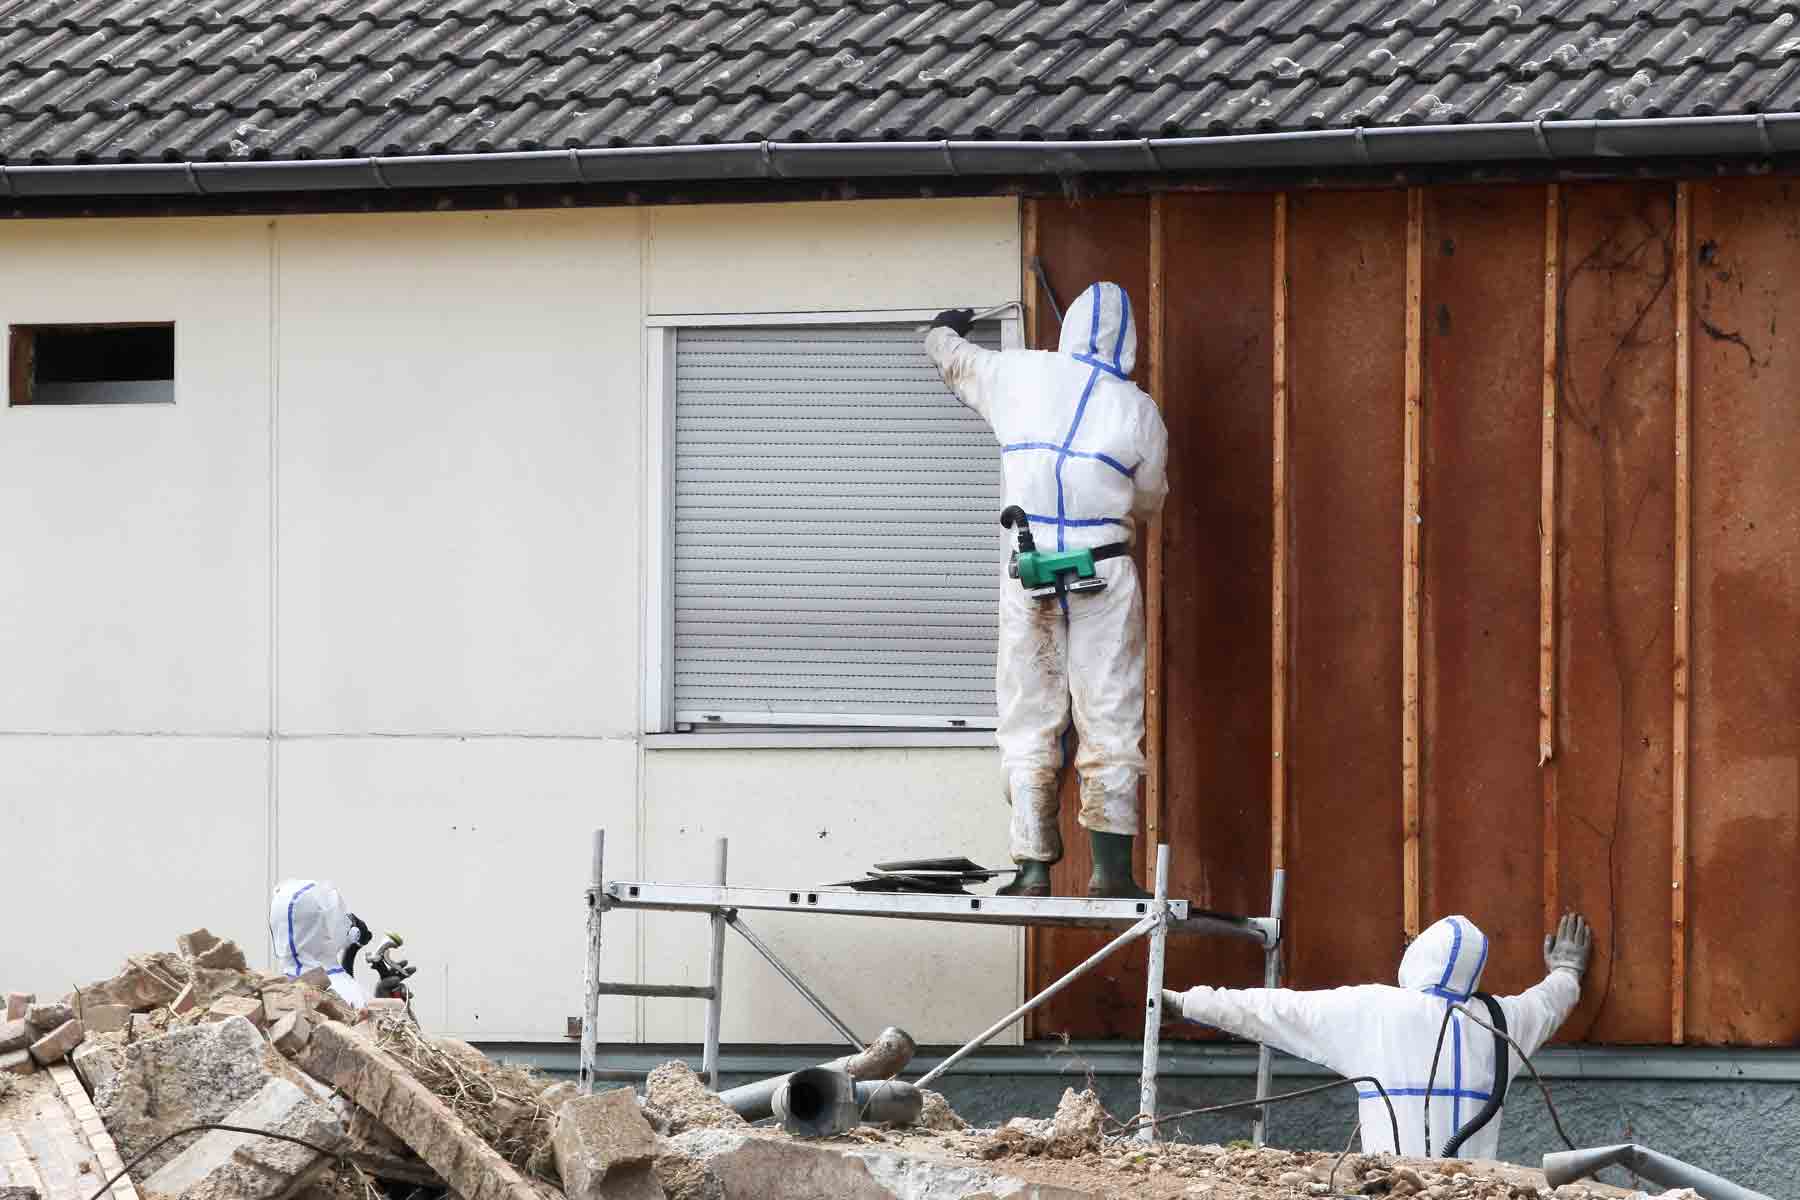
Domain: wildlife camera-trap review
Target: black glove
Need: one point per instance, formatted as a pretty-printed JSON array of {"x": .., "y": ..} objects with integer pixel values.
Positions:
[
  {"x": 957, "y": 320},
  {"x": 359, "y": 937}
]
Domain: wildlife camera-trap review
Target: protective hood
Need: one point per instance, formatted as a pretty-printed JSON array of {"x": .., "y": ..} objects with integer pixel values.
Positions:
[
  {"x": 1098, "y": 330},
  {"x": 1446, "y": 960},
  {"x": 309, "y": 925}
]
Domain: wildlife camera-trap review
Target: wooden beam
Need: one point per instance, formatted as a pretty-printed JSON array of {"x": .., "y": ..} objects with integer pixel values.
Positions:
[
  {"x": 1153, "y": 568},
  {"x": 1547, "y": 520},
  {"x": 1278, "y": 555},
  {"x": 1410, "y": 572},
  {"x": 1684, "y": 519}
]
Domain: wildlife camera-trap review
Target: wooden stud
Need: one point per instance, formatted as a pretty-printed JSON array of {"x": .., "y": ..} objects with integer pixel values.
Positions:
[
  {"x": 1684, "y": 517},
  {"x": 1547, "y": 519},
  {"x": 1278, "y": 554},
  {"x": 20, "y": 356},
  {"x": 1410, "y": 572},
  {"x": 1153, "y": 567}
]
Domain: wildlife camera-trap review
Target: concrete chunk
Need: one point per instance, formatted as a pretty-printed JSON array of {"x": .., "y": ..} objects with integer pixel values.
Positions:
[
  {"x": 224, "y": 955},
  {"x": 316, "y": 978},
  {"x": 723, "y": 1164},
  {"x": 17, "y": 1003},
  {"x": 226, "y": 1007},
  {"x": 54, "y": 1046},
  {"x": 291, "y": 1034},
  {"x": 16, "y": 1035},
  {"x": 193, "y": 945},
  {"x": 97, "y": 1061},
  {"x": 105, "y": 1018},
  {"x": 236, "y": 1166},
  {"x": 186, "y": 1077},
  {"x": 599, "y": 1141},
  {"x": 145, "y": 982},
  {"x": 279, "y": 1001},
  {"x": 372, "y": 1078},
  {"x": 45, "y": 1017},
  {"x": 17, "y": 1062}
]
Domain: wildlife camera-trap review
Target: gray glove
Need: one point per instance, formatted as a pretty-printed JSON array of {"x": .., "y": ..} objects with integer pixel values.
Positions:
[{"x": 1570, "y": 945}]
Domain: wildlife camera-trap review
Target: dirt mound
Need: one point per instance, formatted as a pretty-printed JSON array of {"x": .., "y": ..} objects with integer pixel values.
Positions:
[{"x": 937, "y": 1114}]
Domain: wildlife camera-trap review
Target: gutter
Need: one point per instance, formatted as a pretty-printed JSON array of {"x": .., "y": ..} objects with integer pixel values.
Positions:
[{"x": 1764, "y": 135}]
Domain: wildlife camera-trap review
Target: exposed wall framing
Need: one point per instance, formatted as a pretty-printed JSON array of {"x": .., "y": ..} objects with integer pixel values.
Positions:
[
  {"x": 1153, "y": 572},
  {"x": 1682, "y": 617},
  {"x": 1279, "y": 647},
  {"x": 1410, "y": 581},
  {"x": 1547, "y": 522}
]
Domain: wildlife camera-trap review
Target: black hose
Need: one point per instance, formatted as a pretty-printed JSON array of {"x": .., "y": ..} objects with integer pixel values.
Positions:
[
  {"x": 1555, "y": 1117},
  {"x": 1502, "y": 1076},
  {"x": 161, "y": 1142},
  {"x": 1140, "y": 1121}
]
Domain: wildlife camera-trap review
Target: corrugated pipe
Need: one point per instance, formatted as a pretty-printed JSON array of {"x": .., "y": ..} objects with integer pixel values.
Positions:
[
  {"x": 1758, "y": 134},
  {"x": 1566, "y": 1166},
  {"x": 884, "y": 1058}
]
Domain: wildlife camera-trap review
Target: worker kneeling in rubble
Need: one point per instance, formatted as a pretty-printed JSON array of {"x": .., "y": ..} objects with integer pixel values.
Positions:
[
  {"x": 311, "y": 926},
  {"x": 1083, "y": 454},
  {"x": 1392, "y": 1033}
]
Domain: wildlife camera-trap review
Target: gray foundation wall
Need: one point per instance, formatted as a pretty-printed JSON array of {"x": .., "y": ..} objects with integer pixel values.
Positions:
[{"x": 1736, "y": 1113}]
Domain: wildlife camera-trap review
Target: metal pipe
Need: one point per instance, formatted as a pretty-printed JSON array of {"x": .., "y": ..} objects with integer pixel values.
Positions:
[
  {"x": 590, "y": 1012},
  {"x": 1265, "y": 1058},
  {"x": 981, "y": 1039},
  {"x": 819, "y": 1006},
  {"x": 885, "y": 1057},
  {"x": 715, "y": 1003},
  {"x": 1758, "y": 135},
  {"x": 1159, "y": 942},
  {"x": 824, "y": 1102},
  {"x": 1566, "y": 1166}
]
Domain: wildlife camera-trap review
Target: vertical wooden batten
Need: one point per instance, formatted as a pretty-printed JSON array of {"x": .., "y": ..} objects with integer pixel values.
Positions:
[
  {"x": 1410, "y": 568},
  {"x": 1029, "y": 284},
  {"x": 1547, "y": 699},
  {"x": 1153, "y": 569},
  {"x": 1684, "y": 300},
  {"x": 1278, "y": 551}
]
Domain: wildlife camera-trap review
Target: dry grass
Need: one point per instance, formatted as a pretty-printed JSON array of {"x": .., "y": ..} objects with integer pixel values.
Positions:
[{"x": 501, "y": 1104}]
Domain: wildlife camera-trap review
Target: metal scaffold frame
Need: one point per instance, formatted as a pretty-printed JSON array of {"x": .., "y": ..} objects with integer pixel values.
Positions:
[{"x": 1155, "y": 918}]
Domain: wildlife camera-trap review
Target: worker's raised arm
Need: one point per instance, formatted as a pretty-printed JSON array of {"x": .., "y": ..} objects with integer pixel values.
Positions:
[
  {"x": 1331, "y": 1028},
  {"x": 1534, "y": 1015},
  {"x": 968, "y": 369}
]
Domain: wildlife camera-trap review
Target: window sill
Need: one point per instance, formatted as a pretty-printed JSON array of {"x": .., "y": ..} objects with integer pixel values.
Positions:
[{"x": 822, "y": 739}]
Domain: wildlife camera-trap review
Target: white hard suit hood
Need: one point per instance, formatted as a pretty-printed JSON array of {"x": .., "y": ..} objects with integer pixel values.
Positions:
[
  {"x": 1446, "y": 960},
  {"x": 1098, "y": 330}
]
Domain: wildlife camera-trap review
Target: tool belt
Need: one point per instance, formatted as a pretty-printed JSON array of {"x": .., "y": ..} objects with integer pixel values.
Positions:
[{"x": 1111, "y": 550}]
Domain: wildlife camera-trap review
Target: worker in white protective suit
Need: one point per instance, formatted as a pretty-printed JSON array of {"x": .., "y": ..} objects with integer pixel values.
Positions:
[
  {"x": 311, "y": 926},
  {"x": 1391, "y": 1033},
  {"x": 1084, "y": 455}
]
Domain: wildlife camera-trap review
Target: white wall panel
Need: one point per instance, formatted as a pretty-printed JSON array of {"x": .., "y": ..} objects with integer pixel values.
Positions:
[
  {"x": 115, "y": 845},
  {"x": 135, "y": 593},
  {"x": 863, "y": 254},
  {"x": 459, "y": 478},
  {"x": 799, "y": 817},
  {"x": 476, "y": 850}
]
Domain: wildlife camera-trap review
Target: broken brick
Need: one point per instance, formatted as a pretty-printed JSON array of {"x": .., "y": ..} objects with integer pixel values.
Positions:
[
  {"x": 105, "y": 1018},
  {"x": 17, "y": 1062},
  {"x": 222, "y": 956},
  {"x": 15, "y": 1035},
  {"x": 292, "y": 1032},
  {"x": 45, "y": 1017},
  {"x": 17, "y": 1003},
  {"x": 54, "y": 1046},
  {"x": 226, "y": 1007},
  {"x": 193, "y": 945}
]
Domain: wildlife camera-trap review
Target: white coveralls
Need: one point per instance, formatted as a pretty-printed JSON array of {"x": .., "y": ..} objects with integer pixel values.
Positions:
[
  {"x": 1390, "y": 1033},
  {"x": 309, "y": 926},
  {"x": 1084, "y": 453}
]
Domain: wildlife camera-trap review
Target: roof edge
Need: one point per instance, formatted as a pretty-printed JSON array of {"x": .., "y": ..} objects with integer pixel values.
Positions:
[{"x": 1749, "y": 134}]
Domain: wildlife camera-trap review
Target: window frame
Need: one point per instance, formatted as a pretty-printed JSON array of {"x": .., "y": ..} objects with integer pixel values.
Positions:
[
  {"x": 657, "y": 688},
  {"x": 21, "y": 342}
]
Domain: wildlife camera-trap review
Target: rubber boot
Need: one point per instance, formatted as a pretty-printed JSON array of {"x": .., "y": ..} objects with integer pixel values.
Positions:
[
  {"x": 1033, "y": 879},
  {"x": 1112, "y": 878}
]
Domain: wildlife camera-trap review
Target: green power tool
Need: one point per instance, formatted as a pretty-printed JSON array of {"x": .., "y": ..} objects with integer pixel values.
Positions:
[{"x": 1046, "y": 573}]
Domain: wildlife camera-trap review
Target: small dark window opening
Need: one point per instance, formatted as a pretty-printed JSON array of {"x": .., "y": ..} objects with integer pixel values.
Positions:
[{"x": 93, "y": 364}]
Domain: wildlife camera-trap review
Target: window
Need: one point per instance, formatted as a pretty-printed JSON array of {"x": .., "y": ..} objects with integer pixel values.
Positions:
[
  {"x": 92, "y": 364},
  {"x": 830, "y": 531}
]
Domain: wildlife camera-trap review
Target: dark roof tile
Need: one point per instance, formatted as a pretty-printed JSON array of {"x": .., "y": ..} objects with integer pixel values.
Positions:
[{"x": 148, "y": 80}]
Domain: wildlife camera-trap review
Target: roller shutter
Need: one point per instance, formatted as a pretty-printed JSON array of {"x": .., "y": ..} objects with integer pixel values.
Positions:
[{"x": 836, "y": 532}]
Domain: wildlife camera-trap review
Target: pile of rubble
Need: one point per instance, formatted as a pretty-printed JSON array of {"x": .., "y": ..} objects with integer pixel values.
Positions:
[{"x": 365, "y": 1106}]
